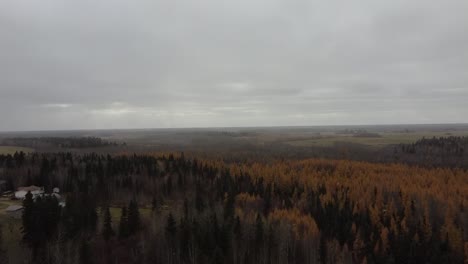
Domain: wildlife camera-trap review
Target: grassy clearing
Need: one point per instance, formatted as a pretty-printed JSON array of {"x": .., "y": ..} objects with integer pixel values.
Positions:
[
  {"x": 11, "y": 228},
  {"x": 116, "y": 211},
  {"x": 5, "y": 150},
  {"x": 11, "y": 232},
  {"x": 4, "y": 203}
]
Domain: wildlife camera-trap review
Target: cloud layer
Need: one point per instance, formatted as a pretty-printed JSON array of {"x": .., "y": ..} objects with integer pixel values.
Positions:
[{"x": 185, "y": 63}]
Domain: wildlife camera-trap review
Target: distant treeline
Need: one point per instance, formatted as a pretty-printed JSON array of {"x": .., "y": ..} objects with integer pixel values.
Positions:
[
  {"x": 447, "y": 152},
  {"x": 60, "y": 142},
  {"x": 437, "y": 151},
  {"x": 446, "y": 145}
]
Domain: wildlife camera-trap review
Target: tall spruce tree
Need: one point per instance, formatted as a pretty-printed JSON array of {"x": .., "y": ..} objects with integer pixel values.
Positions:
[
  {"x": 229, "y": 206},
  {"x": 3, "y": 256},
  {"x": 107, "y": 231},
  {"x": 171, "y": 231},
  {"x": 28, "y": 214},
  {"x": 123, "y": 225},
  {"x": 171, "y": 226},
  {"x": 133, "y": 217},
  {"x": 85, "y": 256}
]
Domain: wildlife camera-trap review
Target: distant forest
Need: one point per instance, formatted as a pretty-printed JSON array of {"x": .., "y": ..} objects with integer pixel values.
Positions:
[
  {"x": 437, "y": 152},
  {"x": 59, "y": 142},
  {"x": 169, "y": 208}
]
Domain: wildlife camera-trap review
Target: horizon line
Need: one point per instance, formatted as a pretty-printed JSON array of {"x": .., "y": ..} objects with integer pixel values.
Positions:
[{"x": 221, "y": 127}]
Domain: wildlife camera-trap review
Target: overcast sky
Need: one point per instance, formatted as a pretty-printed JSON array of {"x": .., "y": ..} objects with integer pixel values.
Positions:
[{"x": 86, "y": 64}]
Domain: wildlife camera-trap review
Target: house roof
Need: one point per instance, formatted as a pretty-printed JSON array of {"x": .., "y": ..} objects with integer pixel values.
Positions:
[
  {"x": 30, "y": 188},
  {"x": 13, "y": 208}
]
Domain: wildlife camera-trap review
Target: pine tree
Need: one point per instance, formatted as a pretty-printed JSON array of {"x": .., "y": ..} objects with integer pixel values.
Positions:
[
  {"x": 85, "y": 256},
  {"x": 123, "y": 225},
  {"x": 154, "y": 204},
  {"x": 133, "y": 218},
  {"x": 171, "y": 230},
  {"x": 171, "y": 226},
  {"x": 259, "y": 231},
  {"x": 238, "y": 229},
  {"x": 186, "y": 208},
  {"x": 199, "y": 203},
  {"x": 185, "y": 240},
  {"x": 3, "y": 256},
  {"x": 28, "y": 221},
  {"x": 229, "y": 207},
  {"x": 107, "y": 231}
]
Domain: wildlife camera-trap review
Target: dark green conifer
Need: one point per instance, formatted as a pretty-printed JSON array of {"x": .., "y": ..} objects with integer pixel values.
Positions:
[
  {"x": 123, "y": 225},
  {"x": 133, "y": 218},
  {"x": 107, "y": 231}
]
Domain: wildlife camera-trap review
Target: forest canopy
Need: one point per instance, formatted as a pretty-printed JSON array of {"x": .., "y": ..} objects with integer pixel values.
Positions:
[{"x": 170, "y": 208}]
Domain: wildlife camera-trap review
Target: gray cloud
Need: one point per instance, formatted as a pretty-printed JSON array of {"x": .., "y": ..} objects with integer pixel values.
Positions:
[{"x": 122, "y": 64}]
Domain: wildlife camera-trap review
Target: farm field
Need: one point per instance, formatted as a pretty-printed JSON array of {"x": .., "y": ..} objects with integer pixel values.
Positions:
[
  {"x": 383, "y": 140},
  {"x": 5, "y": 150}
]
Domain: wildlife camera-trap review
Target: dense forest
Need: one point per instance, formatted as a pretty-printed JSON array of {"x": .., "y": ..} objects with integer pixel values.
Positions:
[
  {"x": 59, "y": 142},
  {"x": 172, "y": 208},
  {"x": 442, "y": 151}
]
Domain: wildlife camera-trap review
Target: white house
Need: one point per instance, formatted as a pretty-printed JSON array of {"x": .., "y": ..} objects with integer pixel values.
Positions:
[{"x": 35, "y": 191}]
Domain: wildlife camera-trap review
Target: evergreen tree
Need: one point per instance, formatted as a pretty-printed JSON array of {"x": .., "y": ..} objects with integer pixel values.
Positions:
[
  {"x": 186, "y": 208},
  {"x": 154, "y": 204},
  {"x": 258, "y": 237},
  {"x": 123, "y": 225},
  {"x": 28, "y": 221},
  {"x": 85, "y": 256},
  {"x": 267, "y": 200},
  {"x": 133, "y": 217},
  {"x": 185, "y": 239},
  {"x": 199, "y": 203},
  {"x": 107, "y": 231},
  {"x": 259, "y": 231},
  {"x": 171, "y": 230},
  {"x": 171, "y": 226},
  {"x": 3, "y": 256},
  {"x": 270, "y": 243},
  {"x": 238, "y": 229},
  {"x": 229, "y": 206}
]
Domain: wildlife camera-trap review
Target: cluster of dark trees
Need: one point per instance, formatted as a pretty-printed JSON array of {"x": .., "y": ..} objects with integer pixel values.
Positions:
[
  {"x": 437, "y": 151},
  {"x": 202, "y": 211},
  {"x": 59, "y": 142},
  {"x": 433, "y": 152},
  {"x": 443, "y": 145}
]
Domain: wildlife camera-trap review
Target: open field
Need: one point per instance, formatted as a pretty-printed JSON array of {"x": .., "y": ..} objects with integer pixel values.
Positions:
[
  {"x": 307, "y": 136},
  {"x": 4, "y": 203},
  {"x": 116, "y": 212},
  {"x": 385, "y": 139},
  {"x": 11, "y": 230},
  {"x": 12, "y": 149}
]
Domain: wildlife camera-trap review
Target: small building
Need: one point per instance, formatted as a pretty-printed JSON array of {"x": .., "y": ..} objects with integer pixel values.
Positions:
[
  {"x": 35, "y": 191},
  {"x": 56, "y": 195},
  {"x": 31, "y": 188},
  {"x": 15, "y": 211}
]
